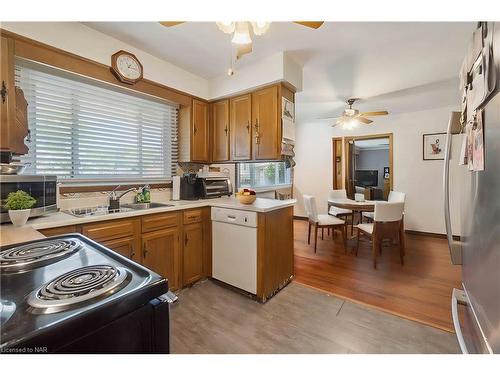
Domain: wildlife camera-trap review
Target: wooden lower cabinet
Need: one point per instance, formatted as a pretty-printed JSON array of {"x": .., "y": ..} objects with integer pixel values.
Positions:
[
  {"x": 176, "y": 245},
  {"x": 192, "y": 253},
  {"x": 274, "y": 251},
  {"x": 160, "y": 253},
  {"x": 124, "y": 246}
]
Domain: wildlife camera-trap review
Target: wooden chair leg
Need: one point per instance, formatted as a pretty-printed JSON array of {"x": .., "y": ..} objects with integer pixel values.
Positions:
[
  {"x": 401, "y": 249},
  {"x": 315, "y": 237},
  {"x": 402, "y": 243},
  {"x": 328, "y": 231},
  {"x": 309, "y": 234},
  {"x": 357, "y": 243},
  {"x": 374, "y": 252},
  {"x": 322, "y": 233},
  {"x": 352, "y": 222}
]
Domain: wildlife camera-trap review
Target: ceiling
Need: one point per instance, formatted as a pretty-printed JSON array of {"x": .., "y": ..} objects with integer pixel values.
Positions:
[{"x": 387, "y": 64}]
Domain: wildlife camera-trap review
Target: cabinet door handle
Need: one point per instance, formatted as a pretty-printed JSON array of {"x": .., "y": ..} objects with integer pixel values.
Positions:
[
  {"x": 185, "y": 239},
  {"x": 145, "y": 249},
  {"x": 248, "y": 126},
  {"x": 226, "y": 130},
  {"x": 257, "y": 134},
  {"x": 132, "y": 251},
  {"x": 195, "y": 130},
  {"x": 3, "y": 91}
]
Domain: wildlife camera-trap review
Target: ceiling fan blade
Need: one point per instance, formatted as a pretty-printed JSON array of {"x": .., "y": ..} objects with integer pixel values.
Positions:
[
  {"x": 311, "y": 24},
  {"x": 243, "y": 49},
  {"x": 364, "y": 120},
  {"x": 171, "y": 23},
  {"x": 330, "y": 118},
  {"x": 376, "y": 113}
]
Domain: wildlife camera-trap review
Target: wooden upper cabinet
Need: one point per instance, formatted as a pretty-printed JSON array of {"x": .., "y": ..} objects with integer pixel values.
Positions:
[
  {"x": 19, "y": 129},
  {"x": 192, "y": 253},
  {"x": 160, "y": 253},
  {"x": 199, "y": 132},
  {"x": 220, "y": 131},
  {"x": 266, "y": 125},
  {"x": 13, "y": 111},
  {"x": 241, "y": 127}
]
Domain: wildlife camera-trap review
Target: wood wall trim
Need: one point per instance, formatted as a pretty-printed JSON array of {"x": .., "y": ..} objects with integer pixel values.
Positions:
[
  {"x": 40, "y": 52},
  {"x": 98, "y": 188}
]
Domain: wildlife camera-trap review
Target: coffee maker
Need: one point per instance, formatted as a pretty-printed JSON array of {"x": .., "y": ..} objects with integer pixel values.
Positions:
[{"x": 190, "y": 187}]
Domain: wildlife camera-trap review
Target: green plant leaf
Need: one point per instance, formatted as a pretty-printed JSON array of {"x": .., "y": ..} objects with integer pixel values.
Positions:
[{"x": 19, "y": 200}]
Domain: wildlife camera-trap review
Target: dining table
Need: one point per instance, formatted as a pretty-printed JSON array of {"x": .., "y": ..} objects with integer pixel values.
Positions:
[{"x": 354, "y": 206}]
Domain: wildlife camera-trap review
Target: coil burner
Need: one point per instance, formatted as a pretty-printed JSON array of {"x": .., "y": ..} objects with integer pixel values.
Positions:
[
  {"x": 80, "y": 285},
  {"x": 36, "y": 254}
]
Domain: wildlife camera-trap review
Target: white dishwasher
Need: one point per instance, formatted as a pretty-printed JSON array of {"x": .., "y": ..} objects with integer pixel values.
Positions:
[{"x": 234, "y": 248}]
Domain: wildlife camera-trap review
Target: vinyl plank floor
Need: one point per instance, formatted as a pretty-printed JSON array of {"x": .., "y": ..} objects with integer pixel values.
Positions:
[{"x": 210, "y": 318}]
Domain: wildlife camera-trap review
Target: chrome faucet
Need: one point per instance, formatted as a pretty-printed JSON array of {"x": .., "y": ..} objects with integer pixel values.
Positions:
[{"x": 114, "y": 198}]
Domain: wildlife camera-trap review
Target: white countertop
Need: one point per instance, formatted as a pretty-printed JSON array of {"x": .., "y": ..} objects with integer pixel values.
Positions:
[{"x": 60, "y": 219}]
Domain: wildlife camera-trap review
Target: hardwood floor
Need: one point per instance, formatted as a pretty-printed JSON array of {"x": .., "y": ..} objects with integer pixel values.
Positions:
[
  {"x": 419, "y": 290},
  {"x": 210, "y": 318}
]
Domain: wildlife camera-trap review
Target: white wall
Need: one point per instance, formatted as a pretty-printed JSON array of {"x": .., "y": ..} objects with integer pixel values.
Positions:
[
  {"x": 81, "y": 40},
  {"x": 274, "y": 68},
  {"x": 420, "y": 180}
]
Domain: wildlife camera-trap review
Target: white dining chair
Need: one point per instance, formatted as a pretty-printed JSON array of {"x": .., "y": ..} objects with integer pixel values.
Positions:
[
  {"x": 394, "y": 196},
  {"x": 321, "y": 221},
  {"x": 387, "y": 224},
  {"x": 337, "y": 211}
]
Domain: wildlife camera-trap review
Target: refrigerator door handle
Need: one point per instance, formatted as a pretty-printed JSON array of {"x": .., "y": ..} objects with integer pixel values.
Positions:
[
  {"x": 455, "y": 247},
  {"x": 458, "y": 297}
]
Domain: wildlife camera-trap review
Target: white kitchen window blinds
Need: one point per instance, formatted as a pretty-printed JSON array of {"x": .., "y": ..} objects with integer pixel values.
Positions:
[{"x": 85, "y": 129}]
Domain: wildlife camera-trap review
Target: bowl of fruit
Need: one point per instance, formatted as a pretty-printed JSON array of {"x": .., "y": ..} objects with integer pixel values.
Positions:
[{"x": 246, "y": 196}]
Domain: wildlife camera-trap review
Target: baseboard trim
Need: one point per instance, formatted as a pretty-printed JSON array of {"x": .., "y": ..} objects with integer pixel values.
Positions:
[
  {"x": 407, "y": 231},
  {"x": 430, "y": 234}
]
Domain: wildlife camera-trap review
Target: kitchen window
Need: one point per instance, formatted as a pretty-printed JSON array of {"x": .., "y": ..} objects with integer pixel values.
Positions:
[
  {"x": 263, "y": 175},
  {"x": 86, "y": 129}
]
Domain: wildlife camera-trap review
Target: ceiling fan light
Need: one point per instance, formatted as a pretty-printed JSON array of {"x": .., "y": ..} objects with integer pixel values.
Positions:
[
  {"x": 260, "y": 27},
  {"x": 226, "y": 26},
  {"x": 350, "y": 124},
  {"x": 241, "y": 34}
]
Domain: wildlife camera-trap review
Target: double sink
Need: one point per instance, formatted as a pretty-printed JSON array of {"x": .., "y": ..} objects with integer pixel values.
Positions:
[{"x": 103, "y": 210}]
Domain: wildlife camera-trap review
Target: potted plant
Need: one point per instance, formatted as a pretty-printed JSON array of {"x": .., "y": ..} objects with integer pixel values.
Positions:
[{"x": 19, "y": 204}]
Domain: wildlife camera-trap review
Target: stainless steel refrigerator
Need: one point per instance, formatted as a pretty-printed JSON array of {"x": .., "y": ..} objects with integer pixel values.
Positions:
[{"x": 476, "y": 307}]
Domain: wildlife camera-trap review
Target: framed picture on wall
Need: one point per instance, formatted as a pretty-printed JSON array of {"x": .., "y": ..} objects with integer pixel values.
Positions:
[
  {"x": 433, "y": 146},
  {"x": 287, "y": 109}
]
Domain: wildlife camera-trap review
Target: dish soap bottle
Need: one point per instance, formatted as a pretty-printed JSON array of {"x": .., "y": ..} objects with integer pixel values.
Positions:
[
  {"x": 146, "y": 194},
  {"x": 139, "y": 196}
]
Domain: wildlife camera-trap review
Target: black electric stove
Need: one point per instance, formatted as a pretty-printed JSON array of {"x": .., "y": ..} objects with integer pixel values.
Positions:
[{"x": 69, "y": 294}]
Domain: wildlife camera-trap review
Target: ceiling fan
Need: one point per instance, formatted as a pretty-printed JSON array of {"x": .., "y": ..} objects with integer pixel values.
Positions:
[
  {"x": 351, "y": 117},
  {"x": 241, "y": 31}
]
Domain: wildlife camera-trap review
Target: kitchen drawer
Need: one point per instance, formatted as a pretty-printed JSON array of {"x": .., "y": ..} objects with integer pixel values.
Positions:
[
  {"x": 193, "y": 216},
  {"x": 159, "y": 221},
  {"x": 109, "y": 230}
]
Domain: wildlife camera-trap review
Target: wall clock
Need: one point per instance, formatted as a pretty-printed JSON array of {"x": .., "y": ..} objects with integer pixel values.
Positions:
[{"x": 126, "y": 67}]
